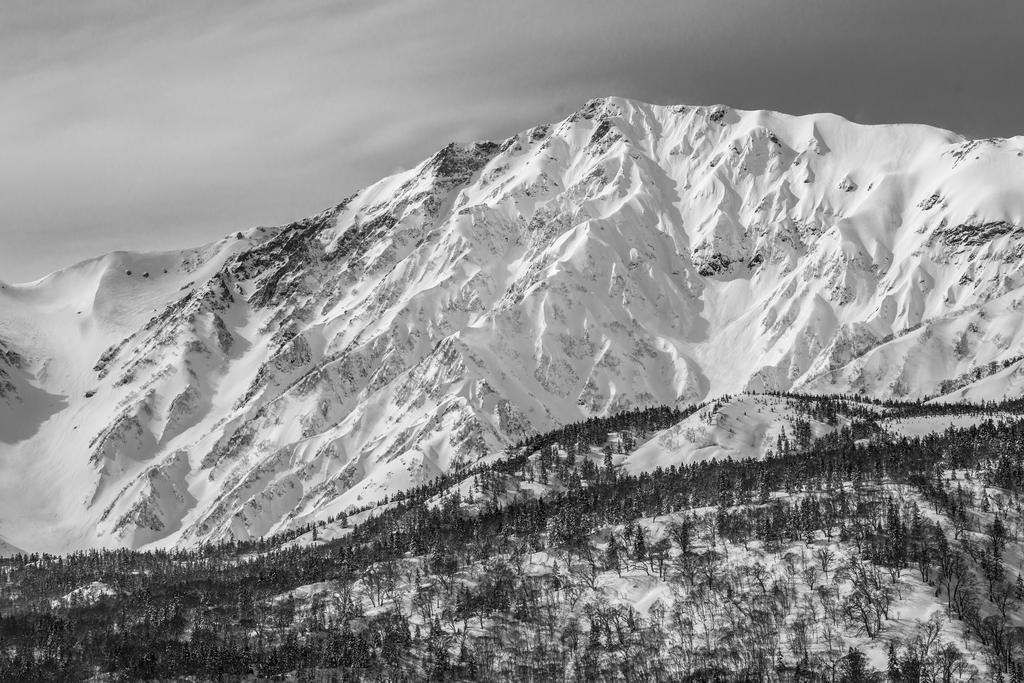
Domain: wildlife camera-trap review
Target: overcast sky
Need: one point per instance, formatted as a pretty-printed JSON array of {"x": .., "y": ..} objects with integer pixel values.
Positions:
[{"x": 154, "y": 125}]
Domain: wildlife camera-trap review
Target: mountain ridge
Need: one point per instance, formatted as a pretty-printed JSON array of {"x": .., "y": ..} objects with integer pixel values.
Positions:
[{"x": 630, "y": 254}]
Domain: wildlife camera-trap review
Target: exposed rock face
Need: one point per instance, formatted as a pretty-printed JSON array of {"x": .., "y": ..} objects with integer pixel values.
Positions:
[
  {"x": 10, "y": 361},
  {"x": 628, "y": 255}
]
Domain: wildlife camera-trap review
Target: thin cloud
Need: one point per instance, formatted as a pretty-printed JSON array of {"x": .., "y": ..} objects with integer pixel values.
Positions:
[{"x": 125, "y": 126}]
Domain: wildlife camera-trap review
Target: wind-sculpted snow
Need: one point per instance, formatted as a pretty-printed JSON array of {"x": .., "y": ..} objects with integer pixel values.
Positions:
[{"x": 629, "y": 255}]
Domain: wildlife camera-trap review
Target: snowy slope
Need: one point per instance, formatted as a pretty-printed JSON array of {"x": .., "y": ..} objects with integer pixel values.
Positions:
[
  {"x": 628, "y": 255},
  {"x": 741, "y": 427},
  {"x": 6, "y": 549}
]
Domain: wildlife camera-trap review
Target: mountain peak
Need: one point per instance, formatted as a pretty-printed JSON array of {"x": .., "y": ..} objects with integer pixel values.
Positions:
[{"x": 629, "y": 255}]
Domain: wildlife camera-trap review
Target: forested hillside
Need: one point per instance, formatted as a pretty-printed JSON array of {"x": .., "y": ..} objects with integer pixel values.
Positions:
[{"x": 861, "y": 554}]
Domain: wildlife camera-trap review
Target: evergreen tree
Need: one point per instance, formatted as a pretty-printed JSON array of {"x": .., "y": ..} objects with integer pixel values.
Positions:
[
  {"x": 611, "y": 554},
  {"x": 893, "y": 670},
  {"x": 854, "y": 667},
  {"x": 639, "y": 546}
]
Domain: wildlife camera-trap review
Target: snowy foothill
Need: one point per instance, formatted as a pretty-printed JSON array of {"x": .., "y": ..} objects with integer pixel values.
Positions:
[{"x": 85, "y": 595}]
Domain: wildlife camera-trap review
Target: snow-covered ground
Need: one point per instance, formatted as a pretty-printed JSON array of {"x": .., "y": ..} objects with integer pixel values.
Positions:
[
  {"x": 808, "y": 584},
  {"x": 85, "y": 595},
  {"x": 930, "y": 424},
  {"x": 747, "y": 426}
]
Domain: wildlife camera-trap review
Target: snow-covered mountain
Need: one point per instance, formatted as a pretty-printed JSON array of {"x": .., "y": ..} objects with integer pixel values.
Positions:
[{"x": 630, "y": 254}]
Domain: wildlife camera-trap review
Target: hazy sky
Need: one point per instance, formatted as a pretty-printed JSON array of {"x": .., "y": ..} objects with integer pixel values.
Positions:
[{"x": 152, "y": 125}]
